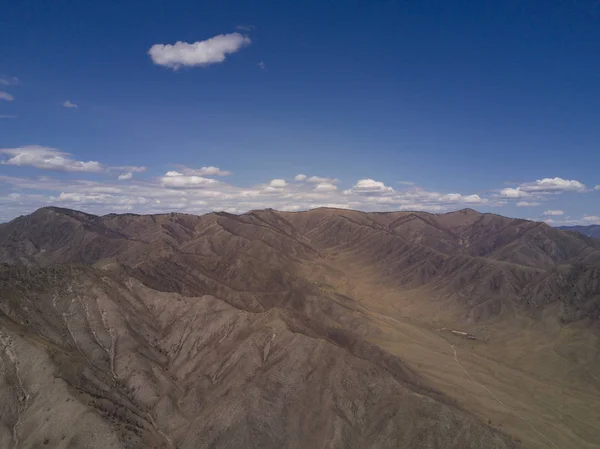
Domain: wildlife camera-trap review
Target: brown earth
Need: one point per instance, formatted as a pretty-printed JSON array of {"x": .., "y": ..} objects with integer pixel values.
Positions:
[{"x": 308, "y": 329}]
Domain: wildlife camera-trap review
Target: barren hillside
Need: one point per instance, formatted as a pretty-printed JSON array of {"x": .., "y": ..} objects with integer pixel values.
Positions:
[{"x": 309, "y": 329}]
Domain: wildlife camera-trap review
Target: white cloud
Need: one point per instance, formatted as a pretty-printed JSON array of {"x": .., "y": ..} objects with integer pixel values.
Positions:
[
  {"x": 320, "y": 180},
  {"x": 542, "y": 188},
  {"x": 245, "y": 27},
  {"x": 455, "y": 198},
  {"x": 597, "y": 187},
  {"x": 68, "y": 104},
  {"x": 369, "y": 186},
  {"x": 102, "y": 198},
  {"x": 178, "y": 180},
  {"x": 125, "y": 176},
  {"x": 277, "y": 183},
  {"x": 48, "y": 159},
  {"x": 550, "y": 212},
  {"x": 129, "y": 168},
  {"x": 300, "y": 177},
  {"x": 325, "y": 187},
  {"x": 406, "y": 183},
  {"x": 586, "y": 220},
  {"x": 269, "y": 190},
  {"x": 527, "y": 204},
  {"x": 201, "y": 53},
  {"x": 472, "y": 199},
  {"x": 553, "y": 185},
  {"x": 6, "y": 96},
  {"x": 509, "y": 192},
  {"x": 418, "y": 195},
  {"x": 178, "y": 191},
  {"x": 261, "y": 65},
  {"x": 451, "y": 197},
  {"x": 203, "y": 171},
  {"x": 7, "y": 116},
  {"x": 9, "y": 81}
]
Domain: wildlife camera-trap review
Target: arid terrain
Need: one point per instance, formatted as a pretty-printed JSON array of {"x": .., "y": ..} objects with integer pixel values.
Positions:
[
  {"x": 590, "y": 230},
  {"x": 327, "y": 328}
]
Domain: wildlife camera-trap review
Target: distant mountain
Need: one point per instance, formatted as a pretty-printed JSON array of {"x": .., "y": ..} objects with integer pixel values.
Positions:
[
  {"x": 590, "y": 231},
  {"x": 286, "y": 329},
  {"x": 250, "y": 260}
]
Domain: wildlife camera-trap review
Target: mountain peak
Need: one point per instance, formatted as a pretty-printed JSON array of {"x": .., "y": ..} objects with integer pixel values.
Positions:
[{"x": 466, "y": 211}]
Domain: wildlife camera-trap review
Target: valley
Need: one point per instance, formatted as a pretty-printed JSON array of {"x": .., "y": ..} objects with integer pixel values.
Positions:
[{"x": 305, "y": 329}]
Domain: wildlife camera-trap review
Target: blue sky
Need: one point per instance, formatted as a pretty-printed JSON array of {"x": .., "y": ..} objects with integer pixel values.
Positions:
[{"x": 382, "y": 105}]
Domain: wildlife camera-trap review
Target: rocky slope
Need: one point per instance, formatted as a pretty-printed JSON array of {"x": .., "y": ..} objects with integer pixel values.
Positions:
[
  {"x": 258, "y": 260},
  {"x": 225, "y": 331},
  {"x": 141, "y": 368}
]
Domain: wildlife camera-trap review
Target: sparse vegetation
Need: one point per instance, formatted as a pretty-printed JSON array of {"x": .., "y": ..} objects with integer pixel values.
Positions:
[{"x": 168, "y": 331}]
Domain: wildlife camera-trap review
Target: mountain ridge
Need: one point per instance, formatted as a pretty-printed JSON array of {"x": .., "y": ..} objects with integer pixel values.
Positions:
[
  {"x": 163, "y": 316},
  {"x": 271, "y": 238},
  {"x": 589, "y": 231}
]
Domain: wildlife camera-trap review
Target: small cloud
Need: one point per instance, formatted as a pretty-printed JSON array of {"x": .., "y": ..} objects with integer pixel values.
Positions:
[
  {"x": 527, "y": 204},
  {"x": 591, "y": 218},
  {"x": 129, "y": 168},
  {"x": 300, "y": 177},
  {"x": 406, "y": 183},
  {"x": 9, "y": 81},
  {"x": 261, "y": 65},
  {"x": 542, "y": 188},
  {"x": 203, "y": 171},
  {"x": 277, "y": 183},
  {"x": 553, "y": 212},
  {"x": 117, "y": 202},
  {"x": 178, "y": 180},
  {"x": 125, "y": 176},
  {"x": 201, "y": 53},
  {"x": 369, "y": 186},
  {"x": 6, "y": 96},
  {"x": 472, "y": 199},
  {"x": 7, "y": 116},
  {"x": 597, "y": 187},
  {"x": 68, "y": 104},
  {"x": 510, "y": 192},
  {"x": 245, "y": 27},
  {"x": 553, "y": 185},
  {"x": 46, "y": 158},
  {"x": 325, "y": 187},
  {"x": 320, "y": 180}
]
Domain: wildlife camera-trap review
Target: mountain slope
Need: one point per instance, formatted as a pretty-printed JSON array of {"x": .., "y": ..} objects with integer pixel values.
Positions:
[
  {"x": 590, "y": 231},
  {"x": 295, "y": 329},
  {"x": 153, "y": 369},
  {"x": 257, "y": 260}
]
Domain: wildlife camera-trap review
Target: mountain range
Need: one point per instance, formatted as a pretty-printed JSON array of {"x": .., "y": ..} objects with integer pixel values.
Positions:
[
  {"x": 324, "y": 328},
  {"x": 590, "y": 230}
]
